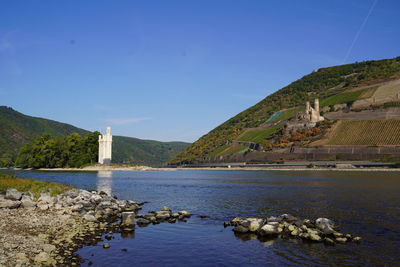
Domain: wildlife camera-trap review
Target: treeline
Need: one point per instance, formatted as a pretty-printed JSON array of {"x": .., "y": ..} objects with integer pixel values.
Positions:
[{"x": 72, "y": 151}]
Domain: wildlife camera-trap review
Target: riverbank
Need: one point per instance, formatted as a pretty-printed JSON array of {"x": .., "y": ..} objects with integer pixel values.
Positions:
[
  {"x": 285, "y": 166},
  {"x": 47, "y": 225}
]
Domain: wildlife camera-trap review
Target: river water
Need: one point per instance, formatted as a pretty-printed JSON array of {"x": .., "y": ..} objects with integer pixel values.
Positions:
[{"x": 366, "y": 204}]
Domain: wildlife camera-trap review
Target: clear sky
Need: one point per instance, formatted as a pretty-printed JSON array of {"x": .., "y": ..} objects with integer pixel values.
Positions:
[{"x": 173, "y": 70}]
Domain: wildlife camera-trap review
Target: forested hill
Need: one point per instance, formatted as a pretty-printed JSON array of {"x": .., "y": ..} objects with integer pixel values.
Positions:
[
  {"x": 323, "y": 84},
  {"x": 17, "y": 129}
]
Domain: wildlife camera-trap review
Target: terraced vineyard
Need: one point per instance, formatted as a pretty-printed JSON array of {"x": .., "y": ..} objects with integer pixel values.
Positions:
[
  {"x": 366, "y": 132},
  {"x": 258, "y": 135}
]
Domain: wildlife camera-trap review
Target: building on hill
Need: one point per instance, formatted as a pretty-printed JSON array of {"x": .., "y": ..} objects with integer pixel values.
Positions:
[
  {"x": 313, "y": 114},
  {"x": 105, "y": 147},
  {"x": 307, "y": 118}
]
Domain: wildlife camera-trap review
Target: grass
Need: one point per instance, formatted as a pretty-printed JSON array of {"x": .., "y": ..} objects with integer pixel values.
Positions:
[
  {"x": 283, "y": 115},
  {"x": 343, "y": 98},
  {"x": 218, "y": 150},
  {"x": 258, "y": 136},
  {"x": 368, "y": 132},
  {"x": 29, "y": 185},
  {"x": 234, "y": 149}
]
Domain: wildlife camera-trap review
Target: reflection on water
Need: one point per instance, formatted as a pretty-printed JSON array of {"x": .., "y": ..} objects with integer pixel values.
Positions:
[{"x": 104, "y": 181}]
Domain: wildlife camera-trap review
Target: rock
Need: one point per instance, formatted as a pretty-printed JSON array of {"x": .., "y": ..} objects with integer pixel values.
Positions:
[
  {"x": 341, "y": 239},
  {"x": 89, "y": 218},
  {"x": 295, "y": 232},
  {"x": 162, "y": 215},
  {"x": 142, "y": 221},
  {"x": 325, "y": 225},
  {"x": 240, "y": 229},
  {"x": 27, "y": 202},
  {"x": 9, "y": 204},
  {"x": 274, "y": 219},
  {"x": 85, "y": 194},
  {"x": 43, "y": 206},
  {"x": 348, "y": 236},
  {"x": 185, "y": 213},
  {"x": 314, "y": 237},
  {"x": 128, "y": 218},
  {"x": 291, "y": 228},
  {"x": 13, "y": 194},
  {"x": 337, "y": 234},
  {"x": 46, "y": 198},
  {"x": 255, "y": 225},
  {"x": 356, "y": 239},
  {"x": 288, "y": 218},
  {"x": 226, "y": 224},
  {"x": 165, "y": 208},
  {"x": 329, "y": 241},
  {"x": 106, "y": 245},
  {"x": 269, "y": 229},
  {"x": 236, "y": 220},
  {"x": 48, "y": 248},
  {"x": 175, "y": 214},
  {"x": 42, "y": 258}
]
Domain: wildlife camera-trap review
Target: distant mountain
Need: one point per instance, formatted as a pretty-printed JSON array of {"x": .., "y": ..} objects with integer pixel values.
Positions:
[
  {"x": 260, "y": 126},
  {"x": 17, "y": 129}
]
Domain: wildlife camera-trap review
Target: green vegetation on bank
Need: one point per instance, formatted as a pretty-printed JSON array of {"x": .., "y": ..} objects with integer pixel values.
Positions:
[
  {"x": 29, "y": 185},
  {"x": 71, "y": 151},
  {"x": 324, "y": 83},
  {"x": 17, "y": 130}
]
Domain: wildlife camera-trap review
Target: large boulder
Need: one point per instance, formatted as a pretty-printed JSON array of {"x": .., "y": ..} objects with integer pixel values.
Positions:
[
  {"x": 42, "y": 258},
  {"x": 162, "y": 215},
  {"x": 46, "y": 199},
  {"x": 9, "y": 204},
  {"x": 240, "y": 229},
  {"x": 270, "y": 229},
  {"x": 255, "y": 224},
  {"x": 128, "y": 219},
  {"x": 27, "y": 202},
  {"x": 13, "y": 194},
  {"x": 325, "y": 225}
]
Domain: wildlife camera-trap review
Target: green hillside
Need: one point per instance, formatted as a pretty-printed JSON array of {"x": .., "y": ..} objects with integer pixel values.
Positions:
[
  {"x": 326, "y": 84},
  {"x": 144, "y": 152},
  {"x": 17, "y": 129}
]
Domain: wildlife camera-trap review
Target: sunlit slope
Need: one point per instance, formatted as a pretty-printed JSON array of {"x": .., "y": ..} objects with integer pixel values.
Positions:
[
  {"x": 325, "y": 84},
  {"x": 366, "y": 132}
]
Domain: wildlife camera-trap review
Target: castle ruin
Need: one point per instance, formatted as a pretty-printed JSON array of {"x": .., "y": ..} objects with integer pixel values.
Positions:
[{"x": 307, "y": 118}]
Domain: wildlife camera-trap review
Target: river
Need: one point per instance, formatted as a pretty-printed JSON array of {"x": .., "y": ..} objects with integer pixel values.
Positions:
[{"x": 366, "y": 204}]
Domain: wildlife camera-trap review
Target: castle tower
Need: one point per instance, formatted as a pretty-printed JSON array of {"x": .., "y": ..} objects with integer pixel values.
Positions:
[
  {"x": 316, "y": 105},
  {"x": 105, "y": 147},
  {"x": 307, "y": 106}
]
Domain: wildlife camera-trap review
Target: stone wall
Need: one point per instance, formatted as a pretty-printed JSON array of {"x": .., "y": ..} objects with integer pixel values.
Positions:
[{"x": 315, "y": 153}]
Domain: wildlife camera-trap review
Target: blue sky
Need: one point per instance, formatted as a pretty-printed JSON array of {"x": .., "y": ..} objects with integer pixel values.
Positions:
[{"x": 173, "y": 70}]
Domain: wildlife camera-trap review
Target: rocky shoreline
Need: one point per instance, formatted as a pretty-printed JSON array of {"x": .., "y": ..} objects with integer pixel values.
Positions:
[
  {"x": 47, "y": 231},
  {"x": 288, "y": 226}
]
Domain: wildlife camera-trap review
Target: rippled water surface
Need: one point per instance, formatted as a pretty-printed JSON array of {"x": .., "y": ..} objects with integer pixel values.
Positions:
[{"x": 363, "y": 203}]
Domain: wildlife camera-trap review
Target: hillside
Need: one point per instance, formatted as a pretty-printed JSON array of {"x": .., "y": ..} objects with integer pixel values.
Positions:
[
  {"x": 345, "y": 84},
  {"x": 17, "y": 129}
]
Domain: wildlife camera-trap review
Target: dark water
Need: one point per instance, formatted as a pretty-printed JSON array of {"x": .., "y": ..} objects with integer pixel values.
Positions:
[{"x": 363, "y": 203}]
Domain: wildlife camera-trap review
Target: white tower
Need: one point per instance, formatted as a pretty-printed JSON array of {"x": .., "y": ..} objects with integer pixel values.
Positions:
[{"x": 105, "y": 142}]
